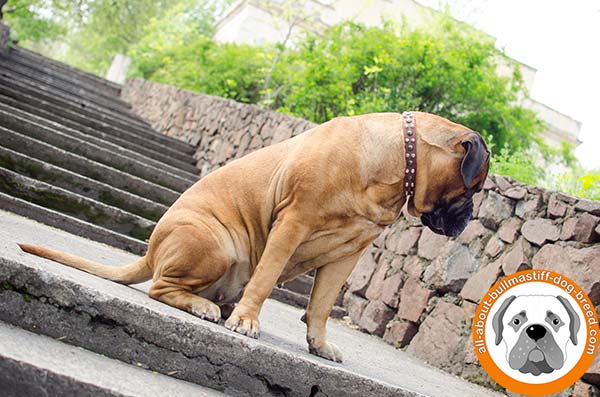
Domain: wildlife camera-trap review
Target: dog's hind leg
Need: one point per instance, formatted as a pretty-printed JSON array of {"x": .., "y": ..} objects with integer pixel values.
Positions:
[{"x": 187, "y": 262}]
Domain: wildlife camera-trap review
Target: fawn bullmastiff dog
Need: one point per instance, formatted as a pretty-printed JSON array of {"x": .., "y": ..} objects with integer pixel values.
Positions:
[{"x": 312, "y": 202}]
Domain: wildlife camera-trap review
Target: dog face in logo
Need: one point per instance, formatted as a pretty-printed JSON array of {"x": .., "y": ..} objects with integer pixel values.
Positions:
[{"x": 536, "y": 330}]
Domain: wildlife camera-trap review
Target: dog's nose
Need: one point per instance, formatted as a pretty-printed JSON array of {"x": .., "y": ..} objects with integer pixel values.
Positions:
[{"x": 536, "y": 332}]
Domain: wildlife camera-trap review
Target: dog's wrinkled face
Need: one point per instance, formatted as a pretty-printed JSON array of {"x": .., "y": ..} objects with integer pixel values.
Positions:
[
  {"x": 450, "y": 219},
  {"x": 536, "y": 330},
  {"x": 457, "y": 162}
]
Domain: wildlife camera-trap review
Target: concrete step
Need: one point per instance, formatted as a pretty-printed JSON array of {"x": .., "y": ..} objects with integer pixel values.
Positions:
[
  {"x": 100, "y": 84},
  {"x": 88, "y": 117},
  {"x": 18, "y": 81},
  {"x": 36, "y": 365},
  {"x": 37, "y": 74},
  {"x": 70, "y": 224},
  {"x": 79, "y": 184},
  {"x": 85, "y": 147},
  {"x": 86, "y": 167},
  {"x": 75, "y": 205},
  {"x": 125, "y": 324},
  {"x": 92, "y": 85},
  {"x": 292, "y": 298},
  {"x": 30, "y": 124},
  {"x": 159, "y": 150}
]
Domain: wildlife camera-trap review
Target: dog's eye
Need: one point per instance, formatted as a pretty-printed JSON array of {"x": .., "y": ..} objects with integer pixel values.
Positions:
[
  {"x": 516, "y": 321},
  {"x": 556, "y": 321}
]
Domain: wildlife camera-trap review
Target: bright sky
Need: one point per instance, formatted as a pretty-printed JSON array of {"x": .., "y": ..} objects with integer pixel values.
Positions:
[{"x": 561, "y": 39}]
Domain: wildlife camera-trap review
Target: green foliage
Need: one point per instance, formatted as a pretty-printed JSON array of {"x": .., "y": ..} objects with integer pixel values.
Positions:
[
  {"x": 577, "y": 181},
  {"x": 32, "y": 20},
  {"x": 103, "y": 28},
  {"x": 519, "y": 164},
  {"x": 450, "y": 70}
]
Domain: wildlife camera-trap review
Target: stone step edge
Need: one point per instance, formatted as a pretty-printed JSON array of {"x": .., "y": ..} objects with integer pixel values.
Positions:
[
  {"x": 67, "y": 77},
  {"x": 71, "y": 224},
  {"x": 88, "y": 187},
  {"x": 65, "y": 67},
  {"x": 83, "y": 208},
  {"x": 59, "y": 83},
  {"x": 42, "y": 108},
  {"x": 104, "y": 117},
  {"x": 31, "y": 363},
  {"x": 27, "y": 120},
  {"x": 167, "y": 339},
  {"x": 27, "y": 84},
  {"x": 93, "y": 152},
  {"x": 93, "y": 169}
]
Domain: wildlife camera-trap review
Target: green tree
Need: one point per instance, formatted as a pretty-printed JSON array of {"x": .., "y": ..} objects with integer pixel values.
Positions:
[
  {"x": 449, "y": 70},
  {"x": 33, "y": 21}
]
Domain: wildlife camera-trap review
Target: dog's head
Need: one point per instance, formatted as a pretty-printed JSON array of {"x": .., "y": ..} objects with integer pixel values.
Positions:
[
  {"x": 536, "y": 330},
  {"x": 453, "y": 162}
]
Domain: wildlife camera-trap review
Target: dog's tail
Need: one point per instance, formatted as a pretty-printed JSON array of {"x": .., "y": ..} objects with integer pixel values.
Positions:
[{"x": 132, "y": 273}]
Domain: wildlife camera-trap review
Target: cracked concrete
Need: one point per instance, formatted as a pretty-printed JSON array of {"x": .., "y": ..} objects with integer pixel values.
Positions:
[
  {"x": 51, "y": 368},
  {"x": 123, "y": 323}
]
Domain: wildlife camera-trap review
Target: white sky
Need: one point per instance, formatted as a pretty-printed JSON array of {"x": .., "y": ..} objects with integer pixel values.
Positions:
[{"x": 561, "y": 39}]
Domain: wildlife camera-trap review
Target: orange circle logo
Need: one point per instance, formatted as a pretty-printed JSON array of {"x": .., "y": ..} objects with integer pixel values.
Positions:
[{"x": 535, "y": 332}]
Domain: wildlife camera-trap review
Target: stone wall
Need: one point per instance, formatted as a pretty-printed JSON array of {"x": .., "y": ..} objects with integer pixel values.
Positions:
[
  {"x": 416, "y": 289},
  {"x": 222, "y": 129}
]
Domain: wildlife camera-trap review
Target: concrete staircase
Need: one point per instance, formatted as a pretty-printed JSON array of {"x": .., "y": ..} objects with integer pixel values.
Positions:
[{"x": 74, "y": 157}]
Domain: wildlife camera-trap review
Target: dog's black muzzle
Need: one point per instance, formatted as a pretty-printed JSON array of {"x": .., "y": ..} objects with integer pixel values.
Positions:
[{"x": 450, "y": 219}]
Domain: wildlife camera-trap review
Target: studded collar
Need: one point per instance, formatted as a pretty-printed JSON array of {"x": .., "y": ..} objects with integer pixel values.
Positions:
[{"x": 410, "y": 149}]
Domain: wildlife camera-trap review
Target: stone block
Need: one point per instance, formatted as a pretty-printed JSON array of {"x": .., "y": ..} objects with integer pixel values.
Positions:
[
  {"x": 430, "y": 244},
  {"x": 494, "y": 209},
  {"x": 401, "y": 242},
  {"x": 390, "y": 290},
  {"x": 515, "y": 193},
  {"x": 451, "y": 268},
  {"x": 494, "y": 247},
  {"x": 375, "y": 317},
  {"x": 478, "y": 284},
  {"x": 540, "y": 230},
  {"x": 399, "y": 333},
  {"x": 376, "y": 284},
  {"x": 413, "y": 300},
  {"x": 579, "y": 264},
  {"x": 556, "y": 208},
  {"x": 473, "y": 230},
  {"x": 592, "y": 375},
  {"x": 584, "y": 228},
  {"x": 568, "y": 229},
  {"x": 443, "y": 328},
  {"x": 529, "y": 208},
  {"x": 358, "y": 282},
  {"x": 355, "y": 305},
  {"x": 509, "y": 230},
  {"x": 518, "y": 258},
  {"x": 591, "y": 206}
]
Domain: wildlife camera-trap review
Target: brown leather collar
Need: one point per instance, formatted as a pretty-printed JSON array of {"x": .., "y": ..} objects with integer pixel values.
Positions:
[{"x": 410, "y": 148}]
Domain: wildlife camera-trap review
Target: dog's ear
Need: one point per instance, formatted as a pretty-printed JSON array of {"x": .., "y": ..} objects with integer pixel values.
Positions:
[
  {"x": 574, "y": 323},
  {"x": 497, "y": 321},
  {"x": 476, "y": 156}
]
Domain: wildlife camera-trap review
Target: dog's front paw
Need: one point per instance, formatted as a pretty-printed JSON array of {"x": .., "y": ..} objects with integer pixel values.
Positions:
[
  {"x": 243, "y": 325},
  {"x": 206, "y": 311},
  {"x": 328, "y": 351}
]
